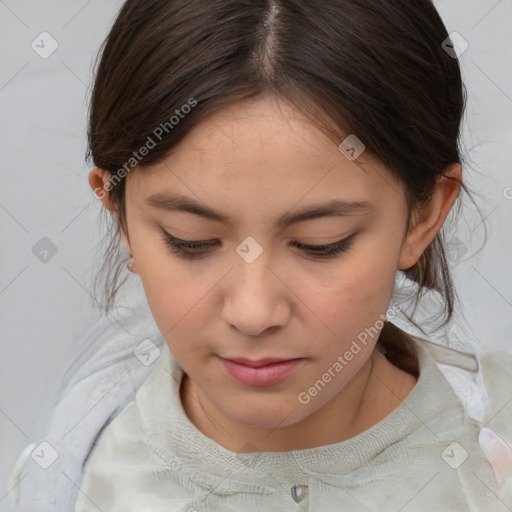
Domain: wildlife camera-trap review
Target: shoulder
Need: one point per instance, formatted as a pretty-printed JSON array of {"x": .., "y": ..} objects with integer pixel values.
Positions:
[
  {"x": 96, "y": 387},
  {"x": 496, "y": 436},
  {"x": 478, "y": 443},
  {"x": 496, "y": 368},
  {"x": 496, "y": 371}
]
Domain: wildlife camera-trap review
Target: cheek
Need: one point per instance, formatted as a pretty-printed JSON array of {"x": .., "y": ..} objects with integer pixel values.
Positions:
[
  {"x": 176, "y": 305},
  {"x": 179, "y": 313},
  {"x": 171, "y": 293},
  {"x": 180, "y": 303},
  {"x": 354, "y": 296}
]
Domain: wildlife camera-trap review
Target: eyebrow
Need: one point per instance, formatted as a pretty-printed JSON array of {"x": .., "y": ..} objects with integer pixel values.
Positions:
[{"x": 334, "y": 208}]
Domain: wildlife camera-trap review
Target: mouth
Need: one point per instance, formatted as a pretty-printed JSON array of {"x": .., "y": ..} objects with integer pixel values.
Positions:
[
  {"x": 263, "y": 372},
  {"x": 260, "y": 362}
]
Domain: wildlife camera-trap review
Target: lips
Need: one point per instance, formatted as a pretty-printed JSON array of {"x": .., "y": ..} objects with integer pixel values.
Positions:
[
  {"x": 260, "y": 362},
  {"x": 267, "y": 372}
]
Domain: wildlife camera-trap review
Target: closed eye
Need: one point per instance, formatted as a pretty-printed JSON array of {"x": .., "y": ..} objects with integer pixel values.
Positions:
[{"x": 195, "y": 249}]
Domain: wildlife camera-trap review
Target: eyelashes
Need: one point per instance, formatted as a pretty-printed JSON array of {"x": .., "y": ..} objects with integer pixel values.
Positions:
[
  {"x": 197, "y": 249},
  {"x": 326, "y": 251}
]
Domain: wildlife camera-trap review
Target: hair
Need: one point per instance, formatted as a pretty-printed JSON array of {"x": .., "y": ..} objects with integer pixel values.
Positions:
[{"x": 373, "y": 68}]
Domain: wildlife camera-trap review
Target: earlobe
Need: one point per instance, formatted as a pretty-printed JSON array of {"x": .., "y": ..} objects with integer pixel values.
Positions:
[{"x": 430, "y": 218}]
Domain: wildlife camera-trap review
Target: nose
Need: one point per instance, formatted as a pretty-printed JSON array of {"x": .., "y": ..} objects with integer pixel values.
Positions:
[
  {"x": 256, "y": 299},
  {"x": 254, "y": 332}
]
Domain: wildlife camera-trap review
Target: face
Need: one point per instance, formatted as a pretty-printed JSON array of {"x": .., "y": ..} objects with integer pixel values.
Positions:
[{"x": 250, "y": 287}]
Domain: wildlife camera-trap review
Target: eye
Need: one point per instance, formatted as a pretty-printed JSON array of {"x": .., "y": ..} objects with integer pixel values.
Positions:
[
  {"x": 327, "y": 251},
  {"x": 195, "y": 249},
  {"x": 187, "y": 249}
]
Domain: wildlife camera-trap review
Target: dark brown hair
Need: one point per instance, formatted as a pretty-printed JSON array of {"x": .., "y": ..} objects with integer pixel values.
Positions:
[{"x": 373, "y": 68}]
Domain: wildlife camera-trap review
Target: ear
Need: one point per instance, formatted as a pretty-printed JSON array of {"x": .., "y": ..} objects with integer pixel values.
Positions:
[
  {"x": 99, "y": 180},
  {"x": 427, "y": 221}
]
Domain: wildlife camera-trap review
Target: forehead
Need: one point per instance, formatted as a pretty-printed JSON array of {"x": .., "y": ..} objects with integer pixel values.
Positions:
[{"x": 263, "y": 151}]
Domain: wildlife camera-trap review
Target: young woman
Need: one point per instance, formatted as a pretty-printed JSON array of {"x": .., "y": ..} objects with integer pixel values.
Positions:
[{"x": 271, "y": 167}]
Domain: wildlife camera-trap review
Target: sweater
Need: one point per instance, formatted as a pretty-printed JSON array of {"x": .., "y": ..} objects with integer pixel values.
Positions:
[
  {"x": 425, "y": 455},
  {"x": 106, "y": 376}
]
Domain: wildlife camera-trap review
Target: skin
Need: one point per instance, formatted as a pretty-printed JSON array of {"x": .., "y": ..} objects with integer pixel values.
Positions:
[{"x": 252, "y": 162}]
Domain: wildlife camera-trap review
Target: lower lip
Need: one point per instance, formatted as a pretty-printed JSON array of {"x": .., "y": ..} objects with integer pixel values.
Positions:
[{"x": 262, "y": 376}]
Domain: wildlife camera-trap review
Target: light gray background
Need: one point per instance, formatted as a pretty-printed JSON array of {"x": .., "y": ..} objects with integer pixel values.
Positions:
[{"x": 45, "y": 307}]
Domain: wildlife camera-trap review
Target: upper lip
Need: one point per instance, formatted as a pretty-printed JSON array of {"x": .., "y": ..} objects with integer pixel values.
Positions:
[{"x": 259, "y": 362}]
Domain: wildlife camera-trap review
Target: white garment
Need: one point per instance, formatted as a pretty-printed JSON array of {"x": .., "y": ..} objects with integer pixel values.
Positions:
[{"x": 103, "y": 378}]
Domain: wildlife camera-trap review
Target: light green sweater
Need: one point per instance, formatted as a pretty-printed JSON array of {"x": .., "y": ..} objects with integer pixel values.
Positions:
[{"x": 424, "y": 456}]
